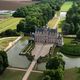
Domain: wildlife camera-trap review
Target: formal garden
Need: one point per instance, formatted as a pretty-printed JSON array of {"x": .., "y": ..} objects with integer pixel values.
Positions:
[
  {"x": 52, "y": 22},
  {"x": 66, "y": 6},
  {"x": 29, "y": 47}
]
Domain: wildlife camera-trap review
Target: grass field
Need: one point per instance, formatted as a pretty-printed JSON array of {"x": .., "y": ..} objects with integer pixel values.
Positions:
[
  {"x": 5, "y": 42},
  {"x": 52, "y": 23},
  {"x": 60, "y": 25},
  {"x": 25, "y": 38},
  {"x": 35, "y": 76},
  {"x": 68, "y": 40},
  {"x": 9, "y": 23},
  {"x": 12, "y": 75},
  {"x": 71, "y": 74},
  {"x": 66, "y": 6},
  {"x": 4, "y": 16}
]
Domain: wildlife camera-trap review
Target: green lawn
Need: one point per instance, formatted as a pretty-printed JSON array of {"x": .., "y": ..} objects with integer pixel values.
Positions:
[
  {"x": 71, "y": 74},
  {"x": 52, "y": 22},
  {"x": 4, "y": 16},
  {"x": 66, "y": 6},
  {"x": 35, "y": 76},
  {"x": 25, "y": 38},
  {"x": 68, "y": 40},
  {"x": 9, "y": 23},
  {"x": 55, "y": 20},
  {"x": 12, "y": 75},
  {"x": 5, "y": 42},
  {"x": 60, "y": 25}
]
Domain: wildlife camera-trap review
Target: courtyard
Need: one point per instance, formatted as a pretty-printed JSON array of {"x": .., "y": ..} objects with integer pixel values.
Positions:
[{"x": 41, "y": 49}]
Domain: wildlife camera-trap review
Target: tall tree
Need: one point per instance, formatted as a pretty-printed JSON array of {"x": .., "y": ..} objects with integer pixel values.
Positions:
[
  {"x": 3, "y": 61},
  {"x": 55, "y": 62}
]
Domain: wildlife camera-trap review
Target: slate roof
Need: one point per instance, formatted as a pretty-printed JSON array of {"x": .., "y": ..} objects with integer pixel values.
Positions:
[{"x": 45, "y": 29}]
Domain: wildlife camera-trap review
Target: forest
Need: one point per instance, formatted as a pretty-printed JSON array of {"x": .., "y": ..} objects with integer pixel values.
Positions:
[{"x": 37, "y": 15}]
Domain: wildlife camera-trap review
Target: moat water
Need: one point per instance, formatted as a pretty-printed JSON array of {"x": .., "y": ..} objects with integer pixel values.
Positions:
[
  {"x": 70, "y": 62},
  {"x": 16, "y": 60}
]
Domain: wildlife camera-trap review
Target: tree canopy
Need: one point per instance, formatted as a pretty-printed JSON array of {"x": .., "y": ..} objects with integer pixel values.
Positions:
[
  {"x": 37, "y": 15},
  {"x": 72, "y": 22},
  {"x": 54, "y": 68},
  {"x": 3, "y": 61}
]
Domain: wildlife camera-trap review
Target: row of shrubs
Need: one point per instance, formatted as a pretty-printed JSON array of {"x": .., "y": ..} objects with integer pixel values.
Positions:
[
  {"x": 29, "y": 57},
  {"x": 71, "y": 49},
  {"x": 9, "y": 33},
  {"x": 29, "y": 47}
]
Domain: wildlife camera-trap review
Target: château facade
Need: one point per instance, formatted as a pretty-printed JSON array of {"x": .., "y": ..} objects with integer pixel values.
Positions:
[{"x": 46, "y": 35}]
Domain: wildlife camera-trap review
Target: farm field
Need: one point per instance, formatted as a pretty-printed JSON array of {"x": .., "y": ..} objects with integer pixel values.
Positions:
[
  {"x": 4, "y": 42},
  {"x": 12, "y": 75},
  {"x": 13, "y": 5},
  {"x": 66, "y": 6},
  {"x": 5, "y": 16},
  {"x": 9, "y": 23}
]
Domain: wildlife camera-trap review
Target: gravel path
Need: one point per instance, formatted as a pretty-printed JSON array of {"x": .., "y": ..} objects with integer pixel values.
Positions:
[
  {"x": 24, "y": 70},
  {"x": 39, "y": 50}
]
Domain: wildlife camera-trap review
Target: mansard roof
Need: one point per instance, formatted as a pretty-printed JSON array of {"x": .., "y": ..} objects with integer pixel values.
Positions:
[{"x": 45, "y": 29}]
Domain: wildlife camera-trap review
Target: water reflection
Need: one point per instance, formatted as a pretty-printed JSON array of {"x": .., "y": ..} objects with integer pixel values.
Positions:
[
  {"x": 16, "y": 60},
  {"x": 71, "y": 62}
]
